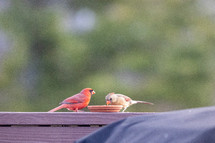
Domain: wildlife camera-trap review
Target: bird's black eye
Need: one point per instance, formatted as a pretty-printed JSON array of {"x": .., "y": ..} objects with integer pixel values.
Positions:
[{"x": 110, "y": 99}]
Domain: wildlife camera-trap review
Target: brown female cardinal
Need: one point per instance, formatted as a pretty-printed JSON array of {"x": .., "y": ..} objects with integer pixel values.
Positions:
[
  {"x": 120, "y": 99},
  {"x": 77, "y": 101}
]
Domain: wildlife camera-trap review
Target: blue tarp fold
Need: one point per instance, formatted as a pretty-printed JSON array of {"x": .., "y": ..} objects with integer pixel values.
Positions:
[{"x": 183, "y": 126}]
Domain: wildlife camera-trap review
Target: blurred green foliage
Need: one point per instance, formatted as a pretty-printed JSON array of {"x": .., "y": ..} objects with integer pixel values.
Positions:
[{"x": 158, "y": 51}]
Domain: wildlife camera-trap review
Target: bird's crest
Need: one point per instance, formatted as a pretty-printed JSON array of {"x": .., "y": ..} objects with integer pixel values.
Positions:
[{"x": 111, "y": 93}]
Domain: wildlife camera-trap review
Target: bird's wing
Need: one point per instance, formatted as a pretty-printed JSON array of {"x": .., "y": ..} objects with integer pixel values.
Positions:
[
  {"x": 75, "y": 99},
  {"x": 124, "y": 96}
]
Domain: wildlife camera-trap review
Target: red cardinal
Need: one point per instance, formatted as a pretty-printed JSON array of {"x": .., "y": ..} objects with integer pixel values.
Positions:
[{"x": 77, "y": 101}]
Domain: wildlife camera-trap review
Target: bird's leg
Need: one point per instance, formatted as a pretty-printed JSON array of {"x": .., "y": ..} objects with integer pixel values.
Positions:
[
  {"x": 124, "y": 109},
  {"x": 80, "y": 111},
  {"x": 76, "y": 109}
]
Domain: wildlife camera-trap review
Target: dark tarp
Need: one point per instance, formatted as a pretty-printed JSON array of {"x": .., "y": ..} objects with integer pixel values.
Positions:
[{"x": 183, "y": 126}]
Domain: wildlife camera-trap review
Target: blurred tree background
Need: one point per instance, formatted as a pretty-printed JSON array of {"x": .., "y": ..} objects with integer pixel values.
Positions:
[{"x": 158, "y": 51}]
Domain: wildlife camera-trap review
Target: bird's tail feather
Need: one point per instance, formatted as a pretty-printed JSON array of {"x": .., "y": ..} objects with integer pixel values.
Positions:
[
  {"x": 144, "y": 102},
  {"x": 58, "y": 108}
]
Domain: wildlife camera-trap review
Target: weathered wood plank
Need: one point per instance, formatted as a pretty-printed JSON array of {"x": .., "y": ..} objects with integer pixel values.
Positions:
[
  {"x": 43, "y": 134},
  {"x": 59, "y": 118},
  {"x": 33, "y": 127}
]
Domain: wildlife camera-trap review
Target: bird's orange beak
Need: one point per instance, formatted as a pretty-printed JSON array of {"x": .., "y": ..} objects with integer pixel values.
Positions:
[
  {"x": 93, "y": 92},
  {"x": 107, "y": 102}
]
